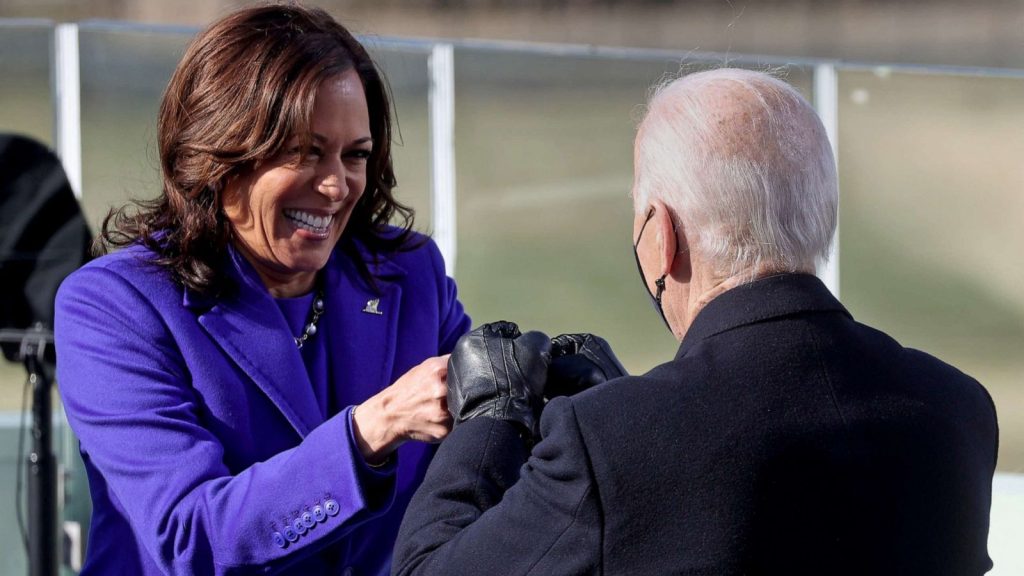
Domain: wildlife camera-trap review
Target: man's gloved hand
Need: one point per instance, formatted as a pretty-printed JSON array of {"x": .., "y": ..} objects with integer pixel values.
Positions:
[
  {"x": 579, "y": 361},
  {"x": 496, "y": 371}
]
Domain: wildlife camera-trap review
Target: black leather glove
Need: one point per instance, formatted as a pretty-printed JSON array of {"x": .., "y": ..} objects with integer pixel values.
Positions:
[
  {"x": 496, "y": 371},
  {"x": 579, "y": 361}
]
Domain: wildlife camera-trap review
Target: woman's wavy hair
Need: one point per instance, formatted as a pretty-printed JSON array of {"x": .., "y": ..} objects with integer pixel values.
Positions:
[{"x": 245, "y": 86}]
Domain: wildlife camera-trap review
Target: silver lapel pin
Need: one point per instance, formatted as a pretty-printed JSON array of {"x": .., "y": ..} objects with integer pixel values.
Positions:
[{"x": 371, "y": 307}]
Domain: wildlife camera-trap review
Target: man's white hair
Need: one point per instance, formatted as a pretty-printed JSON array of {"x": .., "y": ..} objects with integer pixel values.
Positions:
[{"x": 744, "y": 161}]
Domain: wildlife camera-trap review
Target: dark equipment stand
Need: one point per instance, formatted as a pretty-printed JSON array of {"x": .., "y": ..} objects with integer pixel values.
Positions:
[
  {"x": 42, "y": 471},
  {"x": 44, "y": 557}
]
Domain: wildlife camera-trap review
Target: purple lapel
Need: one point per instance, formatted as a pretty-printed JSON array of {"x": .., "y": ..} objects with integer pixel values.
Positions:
[
  {"x": 250, "y": 329},
  {"x": 362, "y": 324}
]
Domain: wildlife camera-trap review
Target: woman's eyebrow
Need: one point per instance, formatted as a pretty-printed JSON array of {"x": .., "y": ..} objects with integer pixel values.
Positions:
[{"x": 320, "y": 138}]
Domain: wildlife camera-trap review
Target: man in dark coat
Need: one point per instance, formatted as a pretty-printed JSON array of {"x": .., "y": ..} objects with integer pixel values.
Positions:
[{"x": 783, "y": 438}]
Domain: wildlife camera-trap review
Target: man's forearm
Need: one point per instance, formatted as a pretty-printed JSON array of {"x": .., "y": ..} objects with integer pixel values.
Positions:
[{"x": 473, "y": 468}]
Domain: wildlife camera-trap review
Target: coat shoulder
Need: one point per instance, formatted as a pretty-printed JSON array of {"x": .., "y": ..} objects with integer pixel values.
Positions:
[
  {"x": 133, "y": 266},
  {"x": 419, "y": 253}
]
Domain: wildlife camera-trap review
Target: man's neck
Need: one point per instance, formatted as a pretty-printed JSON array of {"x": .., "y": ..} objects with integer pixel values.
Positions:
[{"x": 705, "y": 286}]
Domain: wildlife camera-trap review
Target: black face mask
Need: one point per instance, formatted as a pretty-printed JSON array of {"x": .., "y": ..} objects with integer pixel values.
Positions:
[{"x": 659, "y": 283}]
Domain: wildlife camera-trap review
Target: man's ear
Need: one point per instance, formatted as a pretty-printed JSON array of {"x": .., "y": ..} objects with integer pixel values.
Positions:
[
  {"x": 674, "y": 253},
  {"x": 664, "y": 234}
]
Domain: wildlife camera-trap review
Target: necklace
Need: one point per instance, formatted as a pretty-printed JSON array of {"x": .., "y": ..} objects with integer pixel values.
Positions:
[{"x": 314, "y": 315}]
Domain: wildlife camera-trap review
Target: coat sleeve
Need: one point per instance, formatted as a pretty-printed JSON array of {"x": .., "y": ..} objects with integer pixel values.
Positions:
[
  {"x": 481, "y": 510},
  {"x": 129, "y": 399}
]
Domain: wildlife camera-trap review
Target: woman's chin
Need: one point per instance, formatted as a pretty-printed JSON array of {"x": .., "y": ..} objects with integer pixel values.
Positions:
[{"x": 307, "y": 265}]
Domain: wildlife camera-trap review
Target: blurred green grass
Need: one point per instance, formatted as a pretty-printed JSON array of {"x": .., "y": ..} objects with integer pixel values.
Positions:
[{"x": 932, "y": 224}]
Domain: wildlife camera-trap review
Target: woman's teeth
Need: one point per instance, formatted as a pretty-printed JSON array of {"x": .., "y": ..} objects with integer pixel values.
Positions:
[{"x": 308, "y": 221}]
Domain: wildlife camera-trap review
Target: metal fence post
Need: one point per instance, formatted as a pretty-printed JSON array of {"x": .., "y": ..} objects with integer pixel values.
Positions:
[
  {"x": 826, "y": 101},
  {"x": 442, "y": 150},
  {"x": 68, "y": 113}
]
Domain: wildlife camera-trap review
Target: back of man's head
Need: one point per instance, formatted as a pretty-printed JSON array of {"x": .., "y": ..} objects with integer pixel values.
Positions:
[{"x": 745, "y": 163}]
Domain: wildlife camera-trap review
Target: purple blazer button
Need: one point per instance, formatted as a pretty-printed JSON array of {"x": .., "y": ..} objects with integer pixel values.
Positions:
[
  {"x": 307, "y": 520},
  {"x": 299, "y": 526},
  {"x": 318, "y": 513},
  {"x": 291, "y": 535},
  {"x": 279, "y": 540},
  {"x": 331, "y": 507}
]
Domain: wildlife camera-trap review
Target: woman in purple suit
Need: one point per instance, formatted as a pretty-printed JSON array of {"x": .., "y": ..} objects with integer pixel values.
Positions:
[{"x": 257, "y": 374}]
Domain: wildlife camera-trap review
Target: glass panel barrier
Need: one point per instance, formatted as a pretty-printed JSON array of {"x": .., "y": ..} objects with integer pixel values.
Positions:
[
  {"x": 930, "y": 170},
  {"x": 544, "y": 150},
  {"x": 26, "y": 103},
  {"x": 124, "y": 71},
  {"x": 406, "y": 72},
  {"x": 26, "y": 108},
  {"x": 123, "y": 75},
  {"x": 932, "y": 213}
]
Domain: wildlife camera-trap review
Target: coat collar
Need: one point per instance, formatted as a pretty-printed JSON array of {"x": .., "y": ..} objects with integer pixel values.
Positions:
[
  {"x": 760, "y": 300},
  {"x": 249, "y": 327},
  {"x": 361, "y": 325}
]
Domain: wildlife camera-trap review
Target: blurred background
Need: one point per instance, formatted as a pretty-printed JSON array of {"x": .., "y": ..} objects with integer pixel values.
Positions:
[
  {"x": 950, "y": 32},
  {"x": 928, "y": 100}
]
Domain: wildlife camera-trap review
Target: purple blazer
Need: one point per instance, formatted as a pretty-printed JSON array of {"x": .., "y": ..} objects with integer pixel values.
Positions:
[{"x": 204, "y": 445}]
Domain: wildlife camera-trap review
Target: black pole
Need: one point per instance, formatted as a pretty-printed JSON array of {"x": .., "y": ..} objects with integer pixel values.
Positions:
[{"x": 42, "y": 477}]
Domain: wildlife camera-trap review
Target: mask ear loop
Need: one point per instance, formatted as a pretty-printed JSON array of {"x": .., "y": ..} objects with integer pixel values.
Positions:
[{"x": 660, "y": 283}]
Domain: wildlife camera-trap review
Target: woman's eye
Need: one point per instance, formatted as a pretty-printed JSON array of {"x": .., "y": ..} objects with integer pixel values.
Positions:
[
  {"x": 360, "y": 154},
  {"x": 305, "y": 157},
  {"x": 297, "y": 149}
]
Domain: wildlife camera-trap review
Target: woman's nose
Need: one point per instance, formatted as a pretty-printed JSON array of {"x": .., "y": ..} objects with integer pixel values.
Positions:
[{"x": 332, "y": 183}]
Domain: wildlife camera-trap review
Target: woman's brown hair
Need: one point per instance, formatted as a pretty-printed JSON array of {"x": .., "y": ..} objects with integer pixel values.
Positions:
[{"x": 243, "y": 88}]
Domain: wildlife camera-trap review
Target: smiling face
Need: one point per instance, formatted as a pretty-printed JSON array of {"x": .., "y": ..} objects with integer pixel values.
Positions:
[{"x": 288, "y": 213}]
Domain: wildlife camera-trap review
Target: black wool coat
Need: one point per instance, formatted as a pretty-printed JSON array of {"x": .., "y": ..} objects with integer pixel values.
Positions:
[{"x": 784, "y": 438}]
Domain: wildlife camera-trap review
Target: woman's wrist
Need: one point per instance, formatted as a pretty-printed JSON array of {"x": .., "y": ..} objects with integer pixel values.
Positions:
[{"x": 372, "y": 431}]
